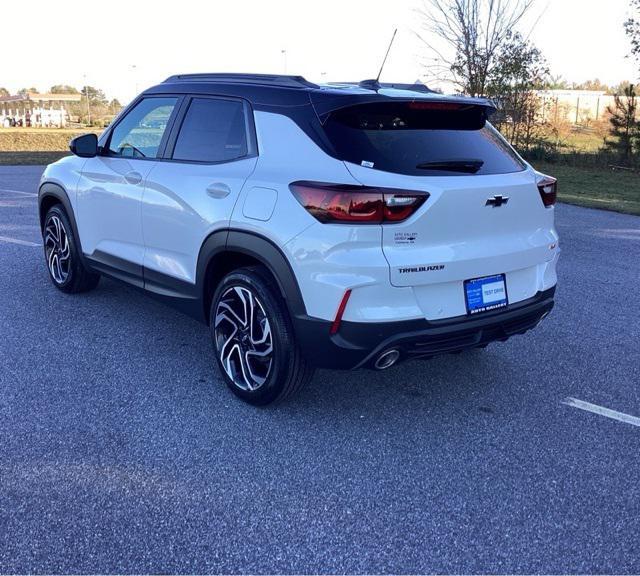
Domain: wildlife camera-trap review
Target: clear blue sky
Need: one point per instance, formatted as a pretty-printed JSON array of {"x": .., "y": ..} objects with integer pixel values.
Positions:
[{"x": 68, "y": 41}]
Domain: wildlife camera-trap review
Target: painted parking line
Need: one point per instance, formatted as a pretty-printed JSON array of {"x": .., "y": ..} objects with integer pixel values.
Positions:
[
  {"x": 7, "y": 191},
  {"x": 18, "y": 241},
  {"x": 602, "y": 411}
]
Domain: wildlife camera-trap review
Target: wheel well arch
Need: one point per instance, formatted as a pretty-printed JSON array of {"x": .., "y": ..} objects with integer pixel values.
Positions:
[
  {"x": 46, "y": 203},
  {"x": 51, "y": 194},
  {"x": 225, "y": 251},
  {"x": 219, "y": 266}
]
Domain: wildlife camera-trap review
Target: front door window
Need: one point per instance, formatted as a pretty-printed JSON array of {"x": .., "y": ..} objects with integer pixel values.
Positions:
[{"x": 139, "y": 134}]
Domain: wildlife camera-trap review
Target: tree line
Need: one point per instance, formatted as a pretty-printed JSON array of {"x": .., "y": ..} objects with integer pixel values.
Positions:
[{"x": 478, "y": 48}]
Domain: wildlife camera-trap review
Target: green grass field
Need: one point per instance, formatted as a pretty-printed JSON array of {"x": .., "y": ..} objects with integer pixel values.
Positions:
[
  {"x": 36, "y": 145},
  {"x": 604, "y": 188},
  {"x": 582, "y": 140},
  {"x": 35, "y": 158}
]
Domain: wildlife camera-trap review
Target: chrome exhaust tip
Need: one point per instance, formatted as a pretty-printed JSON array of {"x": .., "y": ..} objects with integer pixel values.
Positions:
[{"x": 387, "y": 359}]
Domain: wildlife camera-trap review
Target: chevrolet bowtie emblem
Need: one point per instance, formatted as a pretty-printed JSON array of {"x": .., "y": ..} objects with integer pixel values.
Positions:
[{"x": 497, "y": 201}]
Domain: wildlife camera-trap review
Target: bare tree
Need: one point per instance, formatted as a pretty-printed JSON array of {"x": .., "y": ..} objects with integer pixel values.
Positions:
[
  {"x": 466, "y": 37},
  {"x": 632, "y": 28}
]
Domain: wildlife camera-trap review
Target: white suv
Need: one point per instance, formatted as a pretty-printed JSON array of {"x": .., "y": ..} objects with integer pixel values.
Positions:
[{"x": 336, "y": 226}]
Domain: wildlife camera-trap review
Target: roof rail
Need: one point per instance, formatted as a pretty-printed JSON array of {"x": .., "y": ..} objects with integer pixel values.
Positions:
[{"x": 235, "y": 78}]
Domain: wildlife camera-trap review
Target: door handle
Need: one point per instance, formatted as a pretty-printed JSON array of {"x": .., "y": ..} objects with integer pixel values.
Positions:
[
  {"x": 133, "y": 177},
  {"x": 218, "y": 190}
]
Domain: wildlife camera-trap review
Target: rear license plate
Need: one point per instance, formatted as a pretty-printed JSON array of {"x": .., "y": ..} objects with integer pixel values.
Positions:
[{"x": 484, "y": 294}]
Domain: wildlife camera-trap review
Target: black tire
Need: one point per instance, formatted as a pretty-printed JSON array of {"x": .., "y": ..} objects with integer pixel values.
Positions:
[
  {"x": 62, "y": 256},
  {"x": 255, "y": 374}
]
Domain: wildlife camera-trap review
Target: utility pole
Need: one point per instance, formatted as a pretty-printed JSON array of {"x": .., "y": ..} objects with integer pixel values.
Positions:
[
  {"x": 135, "y": 77},
  {"x": 284, "y": 54},
  {"x": 86, "y": 90}
]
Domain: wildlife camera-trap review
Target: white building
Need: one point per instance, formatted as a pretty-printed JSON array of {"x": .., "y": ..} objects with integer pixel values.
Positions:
[
  {"x": 576, "y": 106},
  {"x": 38, "y": 110}
]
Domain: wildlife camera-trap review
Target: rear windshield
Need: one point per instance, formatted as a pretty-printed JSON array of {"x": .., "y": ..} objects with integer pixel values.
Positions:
[{"x": 421, "y": 139}]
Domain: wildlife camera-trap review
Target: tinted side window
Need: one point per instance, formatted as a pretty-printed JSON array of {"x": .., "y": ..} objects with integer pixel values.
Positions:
[
  {"x": 212, "y": 131},
  {"x": 140, "y": 132}
]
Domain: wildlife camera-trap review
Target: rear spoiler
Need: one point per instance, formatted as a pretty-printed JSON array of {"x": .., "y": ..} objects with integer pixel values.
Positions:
[
  {"x": 327, "y": 101},
  {"x": 375, "y": 85}
]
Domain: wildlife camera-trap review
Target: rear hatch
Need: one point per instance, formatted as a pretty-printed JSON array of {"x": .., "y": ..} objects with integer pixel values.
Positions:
[{"x": 484, "y": 215}]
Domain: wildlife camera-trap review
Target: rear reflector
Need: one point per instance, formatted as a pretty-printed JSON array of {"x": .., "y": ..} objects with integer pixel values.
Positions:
[
  {"x": 548, "y": 188},
  {"x": 347, "y": 204},
  {"x": 335, "y": 326}
]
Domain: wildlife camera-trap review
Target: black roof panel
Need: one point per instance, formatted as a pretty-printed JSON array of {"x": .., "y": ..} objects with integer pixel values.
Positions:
[
  {"x": 253, "y": 79},
  {"x": 277, "y": 91}
]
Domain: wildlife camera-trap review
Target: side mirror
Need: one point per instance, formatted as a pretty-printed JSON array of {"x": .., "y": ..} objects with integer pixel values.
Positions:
[{"x": 85, "y": 146}]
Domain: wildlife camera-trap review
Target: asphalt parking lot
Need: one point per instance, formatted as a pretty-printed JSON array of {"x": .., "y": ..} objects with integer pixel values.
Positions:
[{"x": 122, "y": 451}]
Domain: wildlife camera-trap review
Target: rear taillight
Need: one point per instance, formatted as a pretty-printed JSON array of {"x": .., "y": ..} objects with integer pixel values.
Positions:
[
  {"x": 548, "y": 188},
  {"x": 347, "y": 204}
]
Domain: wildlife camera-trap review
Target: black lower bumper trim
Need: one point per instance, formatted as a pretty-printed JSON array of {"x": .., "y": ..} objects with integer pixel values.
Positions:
[{"x": 358, "y": 344}]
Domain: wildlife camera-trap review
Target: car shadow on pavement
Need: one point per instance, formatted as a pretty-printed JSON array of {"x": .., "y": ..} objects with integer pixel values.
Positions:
[
  {"x": 408, "y": 386},
  {"x": 133, "y": 344}
]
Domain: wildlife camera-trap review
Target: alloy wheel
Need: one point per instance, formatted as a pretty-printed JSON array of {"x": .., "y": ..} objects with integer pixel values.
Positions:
[
  {"x": 57, "y": 249},
  {"x": 243, "y": 340}
]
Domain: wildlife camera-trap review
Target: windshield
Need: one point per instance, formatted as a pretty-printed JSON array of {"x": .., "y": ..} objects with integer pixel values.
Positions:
[{"x": 421, "y": 139}]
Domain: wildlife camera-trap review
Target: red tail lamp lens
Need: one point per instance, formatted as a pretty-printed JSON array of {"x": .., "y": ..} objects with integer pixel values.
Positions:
[
  {"x": 548, "y": 188},
  {"x": 347, "y": 204}
]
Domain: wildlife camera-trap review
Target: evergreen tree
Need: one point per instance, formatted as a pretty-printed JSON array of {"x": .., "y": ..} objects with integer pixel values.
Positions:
[
  {"x": 625, "y": 126},
  {"x": 520, "y": 70}
]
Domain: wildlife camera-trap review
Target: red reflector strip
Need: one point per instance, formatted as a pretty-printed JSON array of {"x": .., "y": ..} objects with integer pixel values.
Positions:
[
  {"x": 335, "y": 326},
  {"x": 416, "y": 105}
]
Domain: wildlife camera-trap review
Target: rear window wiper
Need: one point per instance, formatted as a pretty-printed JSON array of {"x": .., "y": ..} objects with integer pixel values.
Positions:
[{"x": 470, "y": 166}]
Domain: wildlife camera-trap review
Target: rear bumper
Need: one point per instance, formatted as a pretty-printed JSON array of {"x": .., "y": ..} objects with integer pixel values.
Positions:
[{"x": 358, "y": 344}]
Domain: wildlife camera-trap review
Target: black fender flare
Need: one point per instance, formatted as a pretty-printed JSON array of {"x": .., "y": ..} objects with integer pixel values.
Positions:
[
  {"x": 259, "y": 248},
  {"x": 51, "y": 190}
]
